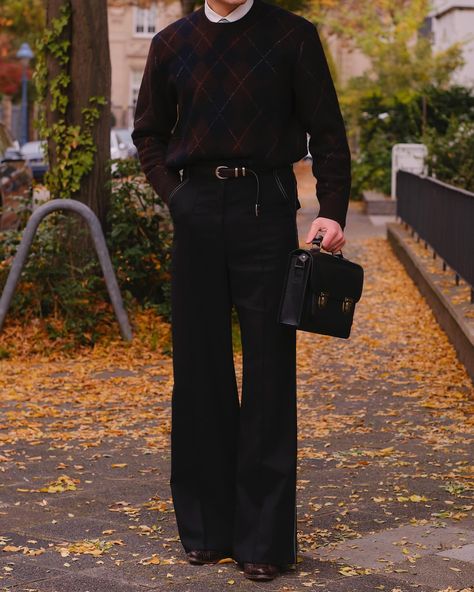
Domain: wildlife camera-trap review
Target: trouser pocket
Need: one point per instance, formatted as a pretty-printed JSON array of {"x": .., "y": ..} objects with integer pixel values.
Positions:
[
  {"x": 176, "y": 190},
  {"x": 181, "y": 200},
  {"x": 285, "y": 180}
]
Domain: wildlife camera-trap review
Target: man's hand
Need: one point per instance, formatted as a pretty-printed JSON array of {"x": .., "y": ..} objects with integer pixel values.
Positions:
[{"x": 333, "y": 237}]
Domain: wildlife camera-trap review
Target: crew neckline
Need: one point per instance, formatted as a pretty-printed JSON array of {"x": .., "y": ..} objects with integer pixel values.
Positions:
[
  {"x": 247, "y": 17},
  {"x": 234, "y": 15}
]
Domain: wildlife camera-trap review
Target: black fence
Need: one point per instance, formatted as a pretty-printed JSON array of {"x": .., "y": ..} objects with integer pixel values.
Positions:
[{"x": 443, "y": 217}]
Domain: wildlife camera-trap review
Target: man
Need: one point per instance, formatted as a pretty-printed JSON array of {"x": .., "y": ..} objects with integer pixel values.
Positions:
[{"x": 228, "y": 96}]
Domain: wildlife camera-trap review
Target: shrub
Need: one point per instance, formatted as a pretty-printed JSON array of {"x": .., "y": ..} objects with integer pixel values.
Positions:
[
  {"x": 66, "y": 289},
  {"x": 431, "y": 118},
  {"x": 139, "y": 238},
  {"x": 451, "y": 156}
]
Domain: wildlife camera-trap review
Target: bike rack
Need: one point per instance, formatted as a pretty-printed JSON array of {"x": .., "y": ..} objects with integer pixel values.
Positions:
[{"x": 100, "y": 247}]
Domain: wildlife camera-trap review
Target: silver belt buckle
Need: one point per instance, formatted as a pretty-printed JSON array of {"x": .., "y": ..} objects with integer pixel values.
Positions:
[
  {"x": 218, "y": 175},
  {"x": 236, "y": 171}
]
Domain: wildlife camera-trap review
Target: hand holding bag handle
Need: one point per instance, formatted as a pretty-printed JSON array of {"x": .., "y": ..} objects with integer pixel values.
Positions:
[{"x": 316, "y": 245}]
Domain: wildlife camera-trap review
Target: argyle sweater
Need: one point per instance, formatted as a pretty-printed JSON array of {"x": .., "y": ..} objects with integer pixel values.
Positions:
[{"x": 243, "y": 92}]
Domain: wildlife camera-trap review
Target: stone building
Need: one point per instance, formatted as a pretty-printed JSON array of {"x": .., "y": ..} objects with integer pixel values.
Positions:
[
  {"x": 130, "y": 31},
  {"x": 451, "y": 22}
]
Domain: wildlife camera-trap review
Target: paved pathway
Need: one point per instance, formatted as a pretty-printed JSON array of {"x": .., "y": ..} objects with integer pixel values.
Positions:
[
  {"x": 360, "y": 225},
  {"x": 386, "y": 470}
]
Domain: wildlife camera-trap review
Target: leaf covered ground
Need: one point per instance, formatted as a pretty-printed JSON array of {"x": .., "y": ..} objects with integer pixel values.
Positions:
[{"x": 386, "y": 425}]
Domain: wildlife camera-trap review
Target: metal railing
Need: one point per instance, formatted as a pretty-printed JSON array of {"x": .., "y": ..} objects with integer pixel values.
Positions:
[{"x": 443, "y": 217}]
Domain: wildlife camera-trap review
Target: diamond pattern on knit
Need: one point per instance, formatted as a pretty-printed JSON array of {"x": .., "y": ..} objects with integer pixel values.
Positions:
[{"x": 205, "y": 69}]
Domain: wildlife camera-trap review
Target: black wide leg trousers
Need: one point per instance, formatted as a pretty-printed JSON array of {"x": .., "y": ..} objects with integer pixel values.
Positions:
[{"x": 233, "y": 467}]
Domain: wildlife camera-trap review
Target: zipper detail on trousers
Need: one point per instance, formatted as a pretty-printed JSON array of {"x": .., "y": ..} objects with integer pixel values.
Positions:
[{"x": 177, "y": 188}]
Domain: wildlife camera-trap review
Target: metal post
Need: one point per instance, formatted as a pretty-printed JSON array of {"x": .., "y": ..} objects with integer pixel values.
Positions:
[
  {"x": 24, "y": 54},
  {"x": 24, "y": 107},
  {"x": 100, "y": 247}
]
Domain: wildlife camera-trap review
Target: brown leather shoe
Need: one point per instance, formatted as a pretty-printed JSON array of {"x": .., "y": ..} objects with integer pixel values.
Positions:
[
  {"x": 204, "y": 556},
  {"x": 260, "y": 571}
]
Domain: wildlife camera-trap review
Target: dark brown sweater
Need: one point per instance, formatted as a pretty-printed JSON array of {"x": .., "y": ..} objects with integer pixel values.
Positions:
[{"x": 244, "y": 91}]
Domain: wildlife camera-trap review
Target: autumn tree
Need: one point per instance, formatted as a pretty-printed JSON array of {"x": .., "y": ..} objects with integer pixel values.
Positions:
[
  {"x": 390, "y": 35},
  {"x": 389, "y": 103},
  {"x": 20, "y": 21}
]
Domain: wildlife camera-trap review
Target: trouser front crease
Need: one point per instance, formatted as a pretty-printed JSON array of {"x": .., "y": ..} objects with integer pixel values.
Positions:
[{"x": 233, "y": 468}]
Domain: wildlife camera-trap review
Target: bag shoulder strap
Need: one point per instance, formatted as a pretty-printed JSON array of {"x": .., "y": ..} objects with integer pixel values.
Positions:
[{"x": 291, "y": 306}]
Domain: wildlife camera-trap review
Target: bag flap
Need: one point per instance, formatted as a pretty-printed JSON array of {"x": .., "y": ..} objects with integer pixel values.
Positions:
[{"x": 336, "y": 275}]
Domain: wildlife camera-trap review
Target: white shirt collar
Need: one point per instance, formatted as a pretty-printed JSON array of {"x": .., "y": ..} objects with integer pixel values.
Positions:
[{"x": 236, "y": 14}]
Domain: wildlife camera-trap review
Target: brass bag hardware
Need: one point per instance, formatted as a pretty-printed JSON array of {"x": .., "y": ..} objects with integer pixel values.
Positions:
[
  {"x": 347, "y": 304},
  {"x": 323, "y": 299}
]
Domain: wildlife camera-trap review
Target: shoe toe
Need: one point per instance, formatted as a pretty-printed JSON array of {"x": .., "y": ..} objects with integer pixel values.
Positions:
[
  {"x": 203, "y": 556},
  {"x": 260, "y": 571}
]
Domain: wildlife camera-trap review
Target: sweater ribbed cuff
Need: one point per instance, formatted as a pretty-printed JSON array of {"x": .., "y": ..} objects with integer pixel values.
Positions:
[{"x": 326, "y": 211}]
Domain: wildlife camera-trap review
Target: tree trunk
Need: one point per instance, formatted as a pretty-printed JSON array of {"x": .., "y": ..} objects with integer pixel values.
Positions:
[{"x": 90, "y": 72}]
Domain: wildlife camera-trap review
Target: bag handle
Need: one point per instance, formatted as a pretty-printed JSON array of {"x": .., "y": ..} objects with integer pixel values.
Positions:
[{"x": 316, "y": 245}]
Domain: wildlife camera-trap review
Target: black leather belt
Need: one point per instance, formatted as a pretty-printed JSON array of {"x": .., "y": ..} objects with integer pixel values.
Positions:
[{"x": 221, "y": 171}]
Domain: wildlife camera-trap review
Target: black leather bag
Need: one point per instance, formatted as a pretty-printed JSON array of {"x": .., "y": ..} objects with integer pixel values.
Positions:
[{"x": 320, "y": 291}]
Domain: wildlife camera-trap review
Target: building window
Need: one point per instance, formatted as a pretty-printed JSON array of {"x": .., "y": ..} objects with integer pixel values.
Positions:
[{"x": 144, "y": 21}]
